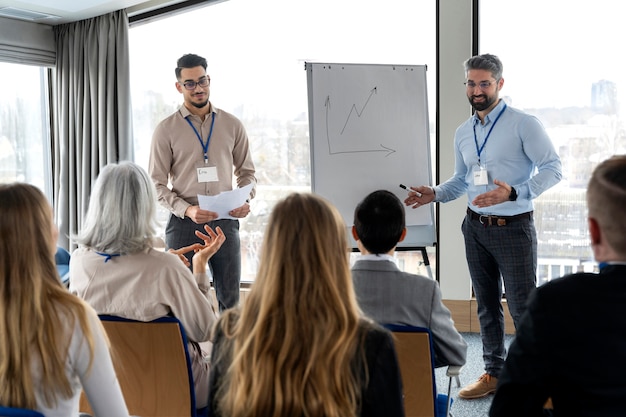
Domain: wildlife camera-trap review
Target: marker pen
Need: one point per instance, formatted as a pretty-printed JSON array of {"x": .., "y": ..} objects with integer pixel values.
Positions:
[{"x": 411, "y": 191}]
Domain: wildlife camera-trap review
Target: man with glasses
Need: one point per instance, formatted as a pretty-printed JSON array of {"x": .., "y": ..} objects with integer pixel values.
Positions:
[
  {"x": 197, "y": 149},
  {"x": 503, "y": 160}
]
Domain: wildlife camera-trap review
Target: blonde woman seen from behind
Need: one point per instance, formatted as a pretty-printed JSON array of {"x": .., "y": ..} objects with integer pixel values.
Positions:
[
  {"x": 52, "y": 345},
  {"x": 299, "y": 345}
]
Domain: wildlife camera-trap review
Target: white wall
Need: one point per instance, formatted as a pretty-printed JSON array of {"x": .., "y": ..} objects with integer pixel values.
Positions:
[{"x": 455, "y": 46}]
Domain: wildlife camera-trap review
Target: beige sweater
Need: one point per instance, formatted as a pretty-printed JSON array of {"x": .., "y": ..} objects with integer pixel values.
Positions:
[
  {"x": 143, "y": 286},
  {"x": 176, "y": 153}
]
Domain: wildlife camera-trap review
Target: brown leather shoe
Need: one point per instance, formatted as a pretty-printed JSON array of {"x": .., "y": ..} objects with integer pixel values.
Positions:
[{"x": 484, "y": 386}]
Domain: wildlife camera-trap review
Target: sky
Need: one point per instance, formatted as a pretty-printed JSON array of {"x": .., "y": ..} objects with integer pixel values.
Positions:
[
  {"x": 585, "y": 46},
  {"x": 584, "y": 36},
  {"x": 258, "y": 49}
]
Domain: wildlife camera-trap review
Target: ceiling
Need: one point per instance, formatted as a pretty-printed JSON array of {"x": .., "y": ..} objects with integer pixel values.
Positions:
[{"x": 55, "y": 12}]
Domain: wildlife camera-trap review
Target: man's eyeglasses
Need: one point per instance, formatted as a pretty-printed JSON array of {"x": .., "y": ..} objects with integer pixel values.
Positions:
[
  {"x": 483, "y": 85},
  {"x": 202, "y": 82}
]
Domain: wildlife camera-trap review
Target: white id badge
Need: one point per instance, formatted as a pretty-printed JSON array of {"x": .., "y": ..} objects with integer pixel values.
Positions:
[
  {"x": 480, "y": 176},
  {"x": 207, "y": 173}
]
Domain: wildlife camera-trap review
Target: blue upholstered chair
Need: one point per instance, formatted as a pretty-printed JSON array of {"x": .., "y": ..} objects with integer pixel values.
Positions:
[
  {"x": 62, "y": 259},
  {"x": 18, "y": 412}
]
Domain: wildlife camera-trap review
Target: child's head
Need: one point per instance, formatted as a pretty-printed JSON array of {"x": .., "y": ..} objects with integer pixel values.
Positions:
[{"x": 379, "y": 222}]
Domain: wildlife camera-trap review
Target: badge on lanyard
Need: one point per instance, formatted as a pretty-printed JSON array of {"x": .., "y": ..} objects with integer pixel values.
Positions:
[
  {"x": 479, "y": 172},
  {"x": 207, "y": 173},
  {"x": 480, "y": 175}
]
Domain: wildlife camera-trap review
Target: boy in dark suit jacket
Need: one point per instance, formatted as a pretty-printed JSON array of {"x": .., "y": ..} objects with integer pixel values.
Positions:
[{"x": 388, "y": 295}]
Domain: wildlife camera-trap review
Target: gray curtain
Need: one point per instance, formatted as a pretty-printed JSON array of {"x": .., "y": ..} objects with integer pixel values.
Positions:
[{"x": 93, "y": 126}]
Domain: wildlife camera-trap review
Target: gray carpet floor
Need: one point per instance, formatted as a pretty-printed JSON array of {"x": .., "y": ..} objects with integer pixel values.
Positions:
[{"x": 473, "y": 369}]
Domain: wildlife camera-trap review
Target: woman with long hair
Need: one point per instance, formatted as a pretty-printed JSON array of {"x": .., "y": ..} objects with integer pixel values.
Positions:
[
  {"x": 300, "y": 346},
  {"x": 52, "y": 345}
]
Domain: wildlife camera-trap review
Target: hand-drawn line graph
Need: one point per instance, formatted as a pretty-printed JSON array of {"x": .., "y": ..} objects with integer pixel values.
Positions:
[{"x": 353, "y": 110}]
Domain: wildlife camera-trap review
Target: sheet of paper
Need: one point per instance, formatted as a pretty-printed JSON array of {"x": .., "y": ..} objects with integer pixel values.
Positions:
[{"x": 225, "y": 201}]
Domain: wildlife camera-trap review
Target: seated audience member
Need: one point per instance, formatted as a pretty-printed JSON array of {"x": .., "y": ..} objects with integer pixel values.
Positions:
[
  {"x": 53, "y": 344},
  {"x": 117, "y": 270},
  {"x": 571, "y": 343},
  {"x": 299, "y": 346},
  {"x": 389, "y": 295}
]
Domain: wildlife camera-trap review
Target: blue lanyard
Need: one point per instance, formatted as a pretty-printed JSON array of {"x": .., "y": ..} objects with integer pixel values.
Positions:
[
  {"x": 107, "y": 256},
  {"x": 205, "y": 146},
  {"x": 480, "y": 150}
]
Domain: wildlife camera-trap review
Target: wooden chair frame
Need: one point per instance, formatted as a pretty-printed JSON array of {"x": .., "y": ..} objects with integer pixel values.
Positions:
[
  {"x": 153, "y": 366},
  {"x": 416, "y": 359}
]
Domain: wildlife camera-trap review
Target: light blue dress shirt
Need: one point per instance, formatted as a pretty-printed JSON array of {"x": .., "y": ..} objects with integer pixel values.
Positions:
[{"x": 518, "y": 151}]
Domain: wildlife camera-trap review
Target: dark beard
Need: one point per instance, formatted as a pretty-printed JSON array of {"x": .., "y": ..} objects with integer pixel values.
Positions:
[
  {"x": 200, "y": 105},
  {"x": 484, "y": 105}
]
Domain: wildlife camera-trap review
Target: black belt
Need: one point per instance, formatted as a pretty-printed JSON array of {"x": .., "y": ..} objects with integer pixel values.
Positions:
[{"x": 492, "y": 220}]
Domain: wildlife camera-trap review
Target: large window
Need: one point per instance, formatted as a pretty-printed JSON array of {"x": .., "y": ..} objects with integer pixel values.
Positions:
[
  {"x": 561, "y": 64},
  {"x": 256, "y": 52},
  {"x": 24, "y": 128}
]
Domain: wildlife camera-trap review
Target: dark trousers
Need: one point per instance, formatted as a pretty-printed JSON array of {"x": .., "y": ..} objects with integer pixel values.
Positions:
[
  {"x": 225, "y": 265},
  {"x": 497, "y": 254}
]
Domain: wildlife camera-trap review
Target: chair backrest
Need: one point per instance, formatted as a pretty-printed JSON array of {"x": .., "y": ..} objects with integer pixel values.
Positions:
[
  {"x": 153, "y": 366},
  {"x": 415, "y": 357},
  {"x": 62, "y": 260},
  {"x": 18, "y": 412}
]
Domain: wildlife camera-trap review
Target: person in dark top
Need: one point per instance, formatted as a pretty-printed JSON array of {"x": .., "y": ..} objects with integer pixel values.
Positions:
[
  {"x": 299, "y": 345},
  {"x": 571, "y": 341}
]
